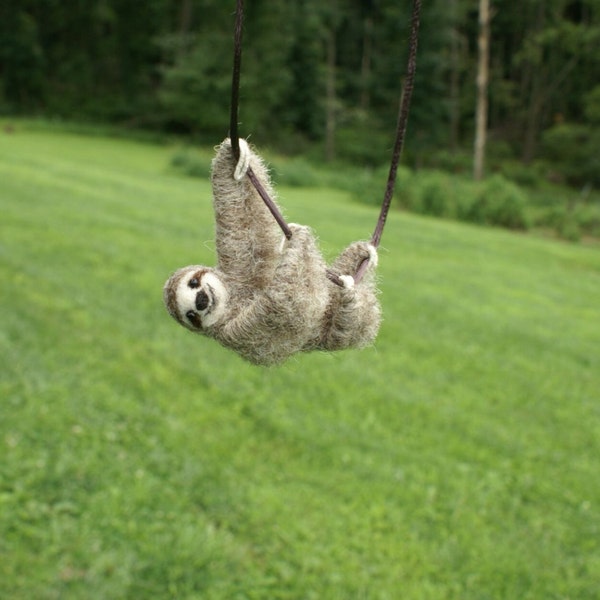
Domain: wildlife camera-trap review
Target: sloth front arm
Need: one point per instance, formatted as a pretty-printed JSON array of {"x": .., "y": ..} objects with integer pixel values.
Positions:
[{"x": 247, "y": 237}]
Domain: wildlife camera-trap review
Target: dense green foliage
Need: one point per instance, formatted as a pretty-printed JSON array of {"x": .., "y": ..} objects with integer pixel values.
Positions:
[
  {"x": 457, "y": 459},
  {"x": 497, "y": 201},
  {"x": 575, "y": 148},
  {"x": 167, "y": 66}
]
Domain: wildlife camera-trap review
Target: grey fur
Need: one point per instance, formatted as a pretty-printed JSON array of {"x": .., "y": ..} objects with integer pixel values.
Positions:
[{"x": 266, "y": 299}]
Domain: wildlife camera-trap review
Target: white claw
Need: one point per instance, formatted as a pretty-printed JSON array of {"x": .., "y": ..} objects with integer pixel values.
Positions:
[
  {"x": 373, "y": 256},
  {"x": 244, "y": 162},
  {"x": 347, "y": 281}
]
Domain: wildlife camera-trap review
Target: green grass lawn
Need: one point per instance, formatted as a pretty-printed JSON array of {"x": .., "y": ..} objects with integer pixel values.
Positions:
[{"x": 458, "y": 458}]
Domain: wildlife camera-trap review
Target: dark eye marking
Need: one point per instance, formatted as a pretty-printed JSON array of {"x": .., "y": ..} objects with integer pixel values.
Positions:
[
  {"x": 202, "y": 300},
  {"x": 194, "y": 283}
]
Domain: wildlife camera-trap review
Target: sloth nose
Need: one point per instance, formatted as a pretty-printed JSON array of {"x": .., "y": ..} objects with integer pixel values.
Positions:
[{"x": 201, "y": 300}]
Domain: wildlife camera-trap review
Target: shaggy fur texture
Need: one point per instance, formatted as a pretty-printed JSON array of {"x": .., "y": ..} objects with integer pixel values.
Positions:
[{"x": 267, "y": 298}]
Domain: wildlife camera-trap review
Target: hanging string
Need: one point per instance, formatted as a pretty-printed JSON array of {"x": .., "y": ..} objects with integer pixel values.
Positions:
[
  {"x": 233, "y": 121},
  {"x": 235, "y": 80},
  {"x": 398, "y": 144},
  {"x": 400, "y": 132}
]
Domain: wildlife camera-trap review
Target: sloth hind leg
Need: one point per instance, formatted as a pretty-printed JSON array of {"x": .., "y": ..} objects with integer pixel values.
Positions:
[{"x": 348, "y": 262}]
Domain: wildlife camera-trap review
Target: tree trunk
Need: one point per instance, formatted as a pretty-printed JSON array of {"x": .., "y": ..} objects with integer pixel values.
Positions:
[
  {"x": 365, "y": 67},
  {"x": 185, "y": 17},
  {"x": 185, "y": 22},
  {"x": 454, "y": 79},
  {"x": 330, "y": 100},
  {"x": 482, "y": 89},
  {"x": 535, "y": 75}
]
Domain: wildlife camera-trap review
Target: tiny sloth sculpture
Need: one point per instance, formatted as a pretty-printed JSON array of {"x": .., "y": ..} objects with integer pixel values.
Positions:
[{"x": 270, "y": 297}]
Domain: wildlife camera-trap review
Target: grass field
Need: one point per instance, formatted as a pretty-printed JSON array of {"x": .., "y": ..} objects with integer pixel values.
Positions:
[{"x": 457, "y": 459}]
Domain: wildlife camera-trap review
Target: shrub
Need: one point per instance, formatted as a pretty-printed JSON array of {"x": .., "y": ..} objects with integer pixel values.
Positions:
[
  {"x": 363, "y": 145},
  {"x": 531, "y": 176},
  {"x": 572, "y": 220},
  {"x": 588, "y": 219},
  {"x": 452, "y": 161},
  {"x": 499, "y": 202},
  {"x": 438, "y": 198},
  {"x": 574, "y": 151},
  {"x": 569, "y": 228},
  {"x": 439, "y": 194},
  {"x": 191, "y": 163},
  {"x": 295, "y": 172},
  {"x": 563, "y": 221},
  {"x": 369, "y": 185}
]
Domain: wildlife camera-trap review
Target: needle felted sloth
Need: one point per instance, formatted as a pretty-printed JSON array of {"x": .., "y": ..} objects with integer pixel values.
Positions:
[{"x": 269, "y": 297}]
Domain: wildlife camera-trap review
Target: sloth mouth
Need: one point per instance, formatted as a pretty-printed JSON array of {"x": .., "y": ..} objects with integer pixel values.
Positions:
[
  {"x": 206, "y": 301},
  {"x": 194, "y": 318}
]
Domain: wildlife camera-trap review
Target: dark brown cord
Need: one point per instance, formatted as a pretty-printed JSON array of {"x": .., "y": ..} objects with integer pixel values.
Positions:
[
  {"x": 409, "y": 84},
  {"x": 233, "y": 121},
  {"x": 235, "y": 79},
  {"x": 400, "y": 133},
  {"x": 270, "y": 204},
  {"x": 398, "y": 144}
]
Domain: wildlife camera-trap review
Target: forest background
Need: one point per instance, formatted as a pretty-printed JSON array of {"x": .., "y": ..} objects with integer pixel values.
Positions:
[{"x": 322, "y": 81}]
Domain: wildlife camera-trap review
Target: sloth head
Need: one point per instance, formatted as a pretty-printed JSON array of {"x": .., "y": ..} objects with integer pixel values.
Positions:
[{"x": 196, "y": 297}]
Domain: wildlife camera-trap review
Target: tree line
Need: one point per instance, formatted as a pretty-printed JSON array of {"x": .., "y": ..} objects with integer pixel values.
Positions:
[{"x": 318, "y": 75}]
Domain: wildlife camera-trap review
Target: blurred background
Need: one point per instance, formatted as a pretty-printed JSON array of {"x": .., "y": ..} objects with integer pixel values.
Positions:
[
  {"x": 310, "y": 67},
  {"x": 322, "y": 80}
]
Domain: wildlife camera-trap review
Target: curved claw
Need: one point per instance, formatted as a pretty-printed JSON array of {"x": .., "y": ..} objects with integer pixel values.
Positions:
[{"x": 244, "y": 161}]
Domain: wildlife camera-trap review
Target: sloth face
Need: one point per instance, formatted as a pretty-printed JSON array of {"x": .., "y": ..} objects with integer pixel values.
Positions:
[{"x": 196, "y": 297}]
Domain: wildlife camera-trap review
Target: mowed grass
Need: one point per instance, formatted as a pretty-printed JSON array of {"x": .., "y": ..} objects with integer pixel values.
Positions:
[{"x": 458, "y": 458}]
